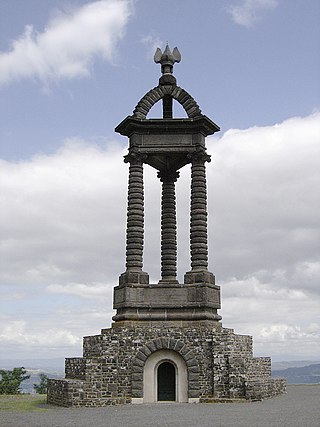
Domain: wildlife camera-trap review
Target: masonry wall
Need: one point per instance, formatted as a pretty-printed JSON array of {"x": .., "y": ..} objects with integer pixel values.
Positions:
[{"x": 219, "y": 363}]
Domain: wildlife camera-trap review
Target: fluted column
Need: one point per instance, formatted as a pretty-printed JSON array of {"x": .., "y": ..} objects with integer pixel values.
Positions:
[
  {"x": 198, "y": 219},
  {"x": 135, "y": 214},
  {"x": 168, "y": 227}
]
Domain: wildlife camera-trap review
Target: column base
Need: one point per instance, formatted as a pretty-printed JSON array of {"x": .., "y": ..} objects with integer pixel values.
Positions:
[
  {"x": 133, "y": 277},
  {"x": 168, "y": 280},
  {"x": 199, "y": 276}
]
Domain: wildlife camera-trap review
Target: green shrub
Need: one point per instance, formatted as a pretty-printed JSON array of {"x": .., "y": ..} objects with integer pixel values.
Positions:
[
  {"x": 42, "y": 387},
  {"x": 10, "y": 381}
]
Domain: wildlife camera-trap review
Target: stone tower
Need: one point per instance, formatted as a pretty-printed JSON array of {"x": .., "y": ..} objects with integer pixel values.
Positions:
[
  {"x": 166, "y": 342},
  {"x": 167, "y": 145}
]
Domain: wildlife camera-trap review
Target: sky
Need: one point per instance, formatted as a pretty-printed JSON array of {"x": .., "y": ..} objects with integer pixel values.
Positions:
[{"x": 70, "y": 72}]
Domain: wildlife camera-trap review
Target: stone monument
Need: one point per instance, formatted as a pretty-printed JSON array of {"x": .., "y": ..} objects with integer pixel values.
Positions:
[{"x": 166, "y": 342}]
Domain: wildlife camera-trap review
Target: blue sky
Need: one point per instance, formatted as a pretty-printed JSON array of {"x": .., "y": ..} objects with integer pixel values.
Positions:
[{"x": 70, "y": 71}]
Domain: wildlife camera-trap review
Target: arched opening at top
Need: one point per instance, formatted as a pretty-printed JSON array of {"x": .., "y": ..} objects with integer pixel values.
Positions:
[
  {"x": 166, "y": 379},
  {"x": 156, "y": 111},
  {"x": 167, "y": 93},
  {"x": 178, "y": 111}
]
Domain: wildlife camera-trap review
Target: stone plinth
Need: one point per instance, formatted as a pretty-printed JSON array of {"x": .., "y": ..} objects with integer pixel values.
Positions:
[
  {"x": 167, "y": 301},
  {"x": 217, "y": 364}
]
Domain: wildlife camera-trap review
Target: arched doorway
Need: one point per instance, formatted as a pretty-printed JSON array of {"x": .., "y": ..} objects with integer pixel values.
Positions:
[
  {"x": 170, "y": 369},
  {"x": 166, "y": 379}
]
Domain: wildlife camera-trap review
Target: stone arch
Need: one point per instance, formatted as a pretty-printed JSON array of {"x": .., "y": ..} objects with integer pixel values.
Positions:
[
  {"x": 154, "y": 95},
  {"x": 165, "y": 343},
  {"x": 150, "y": 375}
]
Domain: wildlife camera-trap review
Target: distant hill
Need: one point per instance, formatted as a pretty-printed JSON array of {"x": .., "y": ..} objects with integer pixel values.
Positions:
[
  {"x": 292, "y": 364},
  {"x": 303, "y": 375},
  {"x": 52, "y": 368},
  {"x": 50, "y": 365}
]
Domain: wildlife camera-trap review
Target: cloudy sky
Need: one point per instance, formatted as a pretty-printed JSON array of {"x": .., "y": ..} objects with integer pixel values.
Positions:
[{"x": 70, "y": 71}]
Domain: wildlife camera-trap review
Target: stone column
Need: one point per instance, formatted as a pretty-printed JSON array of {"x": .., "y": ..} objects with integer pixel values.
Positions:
[
  {"x": 168, "y": 227},
  {"x": 135, "y": 223},
  {"x": 198, "y": 223},
  {"x": 198, "y": 212},
  {"x": 135, "y": 214},
  {"x": 167, "y": 107}
]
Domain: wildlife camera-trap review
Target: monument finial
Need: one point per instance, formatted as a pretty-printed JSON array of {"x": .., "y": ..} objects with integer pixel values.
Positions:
[{"x": 167, "y": 59}]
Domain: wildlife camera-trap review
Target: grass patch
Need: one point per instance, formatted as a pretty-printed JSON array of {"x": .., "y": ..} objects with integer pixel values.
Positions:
[{"x": 22, "y": 402}]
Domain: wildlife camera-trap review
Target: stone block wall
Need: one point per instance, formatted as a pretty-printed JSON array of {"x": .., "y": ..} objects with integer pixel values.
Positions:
[
  {"x": 75, "y": 368},
  {"x": 259, "y": 366},
  {"x": 219, "y": 365},
  {"x": 265, "y": 388},
  {"x": 66, "y": 392}
]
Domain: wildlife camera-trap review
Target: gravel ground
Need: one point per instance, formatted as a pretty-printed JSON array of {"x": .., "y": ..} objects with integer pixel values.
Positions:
[{"x": 298, "y": 408}]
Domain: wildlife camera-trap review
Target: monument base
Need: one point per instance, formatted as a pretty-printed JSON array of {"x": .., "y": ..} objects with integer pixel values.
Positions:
[
  {"x": 167, "y": 301},
  {"x": 133, "y": 362}
]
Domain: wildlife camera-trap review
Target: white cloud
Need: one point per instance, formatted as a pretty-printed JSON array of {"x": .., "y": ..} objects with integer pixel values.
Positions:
[
  {"x": 285, "y": 337},
  {"x": 94, "y": 290},
  {"x": 283, "y": 323},
  {"x": 280, "y": 319},
  {"x": 265, "y": 229},
  {"x": 283, "y": 332},
  {"x": 62, "y": 229},
  {"x": 57, "y": 210},
  {"x": 265, "y": 203},
  {"x": 152, "y": 42},
  {"x": 69, "y": 44},
  {"x": 249, "y": 12},
  {"x": 16, "y": 332}
]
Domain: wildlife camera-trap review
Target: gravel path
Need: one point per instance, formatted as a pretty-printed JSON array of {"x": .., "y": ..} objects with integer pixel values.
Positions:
[{"x": 298, "y": 408}]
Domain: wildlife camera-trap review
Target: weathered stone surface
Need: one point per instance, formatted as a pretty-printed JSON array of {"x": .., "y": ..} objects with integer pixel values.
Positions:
[
  {"x": 142, "y": 356},
  {"x": 226, "y": 369},
  {"x": 75, "y": 368}
]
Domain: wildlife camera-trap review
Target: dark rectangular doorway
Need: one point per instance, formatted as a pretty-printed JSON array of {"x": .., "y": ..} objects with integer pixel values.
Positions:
[{"x": 166, "y": 382}]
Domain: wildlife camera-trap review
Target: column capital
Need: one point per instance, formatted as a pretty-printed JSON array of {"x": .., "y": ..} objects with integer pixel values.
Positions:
[
  {"x": 134, "y": 157},
  {"x": 199, "y": 156},
  {"x": 171, "y": 175}
]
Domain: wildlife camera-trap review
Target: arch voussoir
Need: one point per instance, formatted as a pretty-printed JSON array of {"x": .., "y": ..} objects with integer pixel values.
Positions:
[
  {"x": 165, "y": 343},
  {"x": 156, "y": 94}
]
